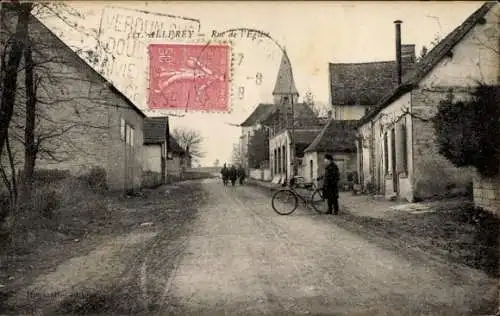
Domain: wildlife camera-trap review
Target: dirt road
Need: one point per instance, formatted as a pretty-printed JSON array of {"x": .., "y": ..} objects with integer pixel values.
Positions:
[
  {"x": 241, "y": 257},
  {"x": 236, "y": 256}
]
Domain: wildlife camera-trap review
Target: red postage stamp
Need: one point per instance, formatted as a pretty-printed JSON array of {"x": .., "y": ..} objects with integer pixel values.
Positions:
[{"x": 194, "y": 77}]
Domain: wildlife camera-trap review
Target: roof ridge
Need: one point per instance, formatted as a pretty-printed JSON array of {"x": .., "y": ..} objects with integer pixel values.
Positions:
[
  {"x": 319, "y": 137},
  {"x": 364, "y": 63},
  {"x": 91, "y": 68},
  {"x": 433, "y": 57}
]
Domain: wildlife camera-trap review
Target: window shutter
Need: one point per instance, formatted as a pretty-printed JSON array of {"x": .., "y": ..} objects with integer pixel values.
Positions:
[
  {"x": 404, "y": 147},
  {"x": 132, "y": 136},
  {"x": 400, "y": 148},
  {"x": 122, "y": 129}
]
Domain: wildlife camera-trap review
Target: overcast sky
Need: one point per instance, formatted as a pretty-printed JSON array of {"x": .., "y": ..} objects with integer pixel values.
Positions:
[{"x": 314, "y": 34}]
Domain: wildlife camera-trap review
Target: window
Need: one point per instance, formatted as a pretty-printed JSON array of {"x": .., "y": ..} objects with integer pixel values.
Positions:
[
  {"x": 131, "y": 136},
  {"x": 392, "y": 164},
  {"x": 279, "y": 160},
  {"x": 122, "y": 129},
  {"x": 311, "y": 171},
  {"x": 275, "y": 161},
  {"x": 402, "y": 151},
  {"x": 128, "y": 132},
  {"x": 285, "y": 162},
  {"x": 386, "y": 153}
]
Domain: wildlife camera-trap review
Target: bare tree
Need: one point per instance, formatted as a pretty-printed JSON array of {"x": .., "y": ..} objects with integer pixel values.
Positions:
[
  {"x": 14, "y": 47},
  {"x": 258, "y": 148},
  {"x": 237, "y": 157},
  {"x": 190, "y": 140},
  {"x": 319, "y": 109},
  {"x": 27, "y": 111},
  {"x": 426, "y": 49}
]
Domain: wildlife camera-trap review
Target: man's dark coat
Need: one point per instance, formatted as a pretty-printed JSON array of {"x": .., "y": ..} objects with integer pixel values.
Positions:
[{"x": 331, "y": 180}]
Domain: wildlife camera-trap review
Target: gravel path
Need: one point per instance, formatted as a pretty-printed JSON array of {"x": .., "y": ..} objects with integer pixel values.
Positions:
[
  {"x": 242, "y": 258},
  {"x": 205, "y": 249}
]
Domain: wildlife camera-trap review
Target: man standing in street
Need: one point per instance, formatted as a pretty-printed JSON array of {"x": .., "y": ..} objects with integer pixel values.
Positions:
[
  {"x": 330, "y": 186},
  {"x": 233, "y": 175},
  {"x": 225, "y": 175}
]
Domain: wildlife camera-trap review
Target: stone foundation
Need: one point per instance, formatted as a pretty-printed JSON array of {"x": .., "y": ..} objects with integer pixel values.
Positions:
[{"x": 487, "y": 194}]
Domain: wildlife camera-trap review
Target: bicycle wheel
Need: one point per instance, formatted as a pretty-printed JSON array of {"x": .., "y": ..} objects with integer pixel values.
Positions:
[
  {"x": 319, "y": 203},
  {"x": 285, "y": 202}
]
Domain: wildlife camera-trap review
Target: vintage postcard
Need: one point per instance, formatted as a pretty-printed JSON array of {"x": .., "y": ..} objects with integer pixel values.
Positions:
[{"x": 249, "y": 158}]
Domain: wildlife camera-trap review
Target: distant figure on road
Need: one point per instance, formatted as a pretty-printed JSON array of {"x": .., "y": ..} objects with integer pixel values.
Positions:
[
  {"x": 233, "y": 175},
  {"x": 225, "y": 175},
  {"x": 330, "y": 185},
  {"x": 241, "y": 174}
]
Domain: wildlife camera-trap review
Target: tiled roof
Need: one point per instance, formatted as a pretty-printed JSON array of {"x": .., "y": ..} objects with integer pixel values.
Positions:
[
  {"x": 432, "y": 58},
  {"x": 336, "y": 136},
  {"x": 285, "y": 84},
  {"x": 303, "y": 139},
  {"x": 361, "y": 83},
  {"x": 155, "y": 130},
  {"x": 306, "y": 136},
  {"x": 259, "y": 114},
  {"x": 302, "y": 111}
]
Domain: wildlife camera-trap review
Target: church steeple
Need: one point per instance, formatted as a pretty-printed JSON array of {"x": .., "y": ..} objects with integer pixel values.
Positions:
[{"x": 284, "y": 89}]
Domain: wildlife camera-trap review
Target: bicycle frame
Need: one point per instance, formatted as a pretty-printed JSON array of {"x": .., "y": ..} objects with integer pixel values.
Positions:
[{"x": 307, "y": 201}]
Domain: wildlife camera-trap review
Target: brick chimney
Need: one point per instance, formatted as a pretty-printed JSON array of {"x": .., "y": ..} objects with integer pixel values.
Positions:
[
  {"x": 408, "y": 57},
  {"x": 399, "y": 63}
]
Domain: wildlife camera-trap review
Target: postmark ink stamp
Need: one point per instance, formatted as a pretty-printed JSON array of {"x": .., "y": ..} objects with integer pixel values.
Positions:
[
  {"x": 190, "y": 77},
  {"x": 123, "y": 37}
]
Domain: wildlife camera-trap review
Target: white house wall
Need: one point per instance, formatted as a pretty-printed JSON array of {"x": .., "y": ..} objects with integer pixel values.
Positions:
[
  {"x": 152, "y": 158},
  {"x": 348, "y": 112},
  {"x": 306, "y": 166},
  {"x": 384, "y": 121},
  {"x": 365, "y": 171},
  {"x": 278, "y": 141},
  {"x": 476, "y": 57}
]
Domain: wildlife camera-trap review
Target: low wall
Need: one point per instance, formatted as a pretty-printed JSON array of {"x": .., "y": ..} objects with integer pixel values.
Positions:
[
  {"x": 487, "y": 194},
  {"x": 260, "y": 174},
  {"x": 256, "y": 174},
  {"x": 267, "y": 175}
]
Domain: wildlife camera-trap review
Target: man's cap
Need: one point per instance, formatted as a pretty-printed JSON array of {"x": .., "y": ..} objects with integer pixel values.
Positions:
[{"x": 329, "y": 157}]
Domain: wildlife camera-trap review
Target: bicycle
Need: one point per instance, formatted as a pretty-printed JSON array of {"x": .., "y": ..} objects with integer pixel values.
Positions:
[{"x": 289, "y": 195}]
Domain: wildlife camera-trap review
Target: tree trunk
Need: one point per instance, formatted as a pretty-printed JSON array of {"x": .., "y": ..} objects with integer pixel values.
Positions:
[
  {"x": 9, "y": 82},
  {"x": 30, "y": 147}
]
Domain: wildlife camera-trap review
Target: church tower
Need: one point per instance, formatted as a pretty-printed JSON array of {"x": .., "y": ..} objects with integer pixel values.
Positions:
[{"x": 284, "y": 90}]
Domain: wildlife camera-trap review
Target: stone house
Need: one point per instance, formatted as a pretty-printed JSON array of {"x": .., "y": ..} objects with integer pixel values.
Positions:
[
  {"x": 156, "y": 151},
  {"x": 357, "y": 87},
  {"x": 401, "y": 156},
  {"x": 281, "y": 151},
  {"x": 83, "y": 121},
  {"x": 178, "y": 161},
  {"x": 337, "y": 138}
]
